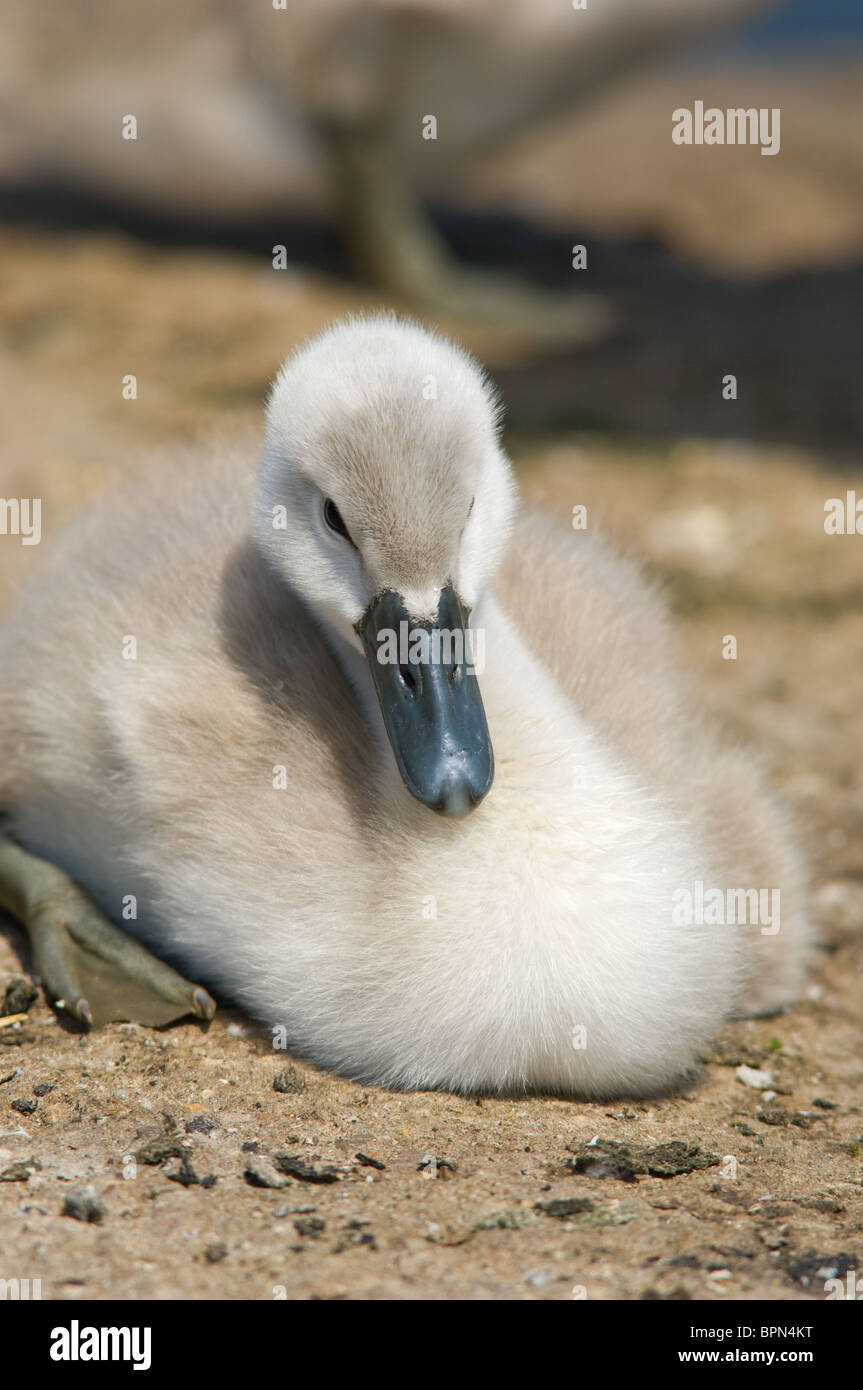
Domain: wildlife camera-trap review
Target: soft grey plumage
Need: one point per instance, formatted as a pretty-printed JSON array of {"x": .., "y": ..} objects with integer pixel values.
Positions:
[{"x": 235, "y": 777}]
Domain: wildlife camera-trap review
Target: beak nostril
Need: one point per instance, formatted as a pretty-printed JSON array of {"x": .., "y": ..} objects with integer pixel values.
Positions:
[
  {"x": 408, "y": 678},
  {"x": 432, "y": 713}
]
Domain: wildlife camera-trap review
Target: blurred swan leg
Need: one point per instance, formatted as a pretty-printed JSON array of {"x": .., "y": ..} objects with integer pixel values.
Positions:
[
  {"x": 395, "y": 247},
  {"x": 99, "y": 973}
]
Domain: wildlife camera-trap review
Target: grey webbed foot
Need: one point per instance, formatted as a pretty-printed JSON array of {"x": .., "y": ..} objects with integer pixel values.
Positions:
[{"x": 97, "y": 972}]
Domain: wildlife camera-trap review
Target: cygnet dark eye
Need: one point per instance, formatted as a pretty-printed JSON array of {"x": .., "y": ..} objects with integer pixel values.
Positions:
[{"x": 333, "y": 518}]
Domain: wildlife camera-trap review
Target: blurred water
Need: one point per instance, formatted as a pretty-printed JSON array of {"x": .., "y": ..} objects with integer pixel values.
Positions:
[{"x": 803, "y": 23}]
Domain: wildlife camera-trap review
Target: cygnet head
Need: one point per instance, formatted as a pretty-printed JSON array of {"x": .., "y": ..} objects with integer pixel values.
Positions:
[{"x": 386, "y": 502}]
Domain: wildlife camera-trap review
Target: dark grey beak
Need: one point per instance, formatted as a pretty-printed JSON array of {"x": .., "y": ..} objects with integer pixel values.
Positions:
[{"x": 432, "y": 708}]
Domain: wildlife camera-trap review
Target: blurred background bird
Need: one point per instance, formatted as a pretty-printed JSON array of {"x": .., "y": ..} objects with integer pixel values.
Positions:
[
  {"x": 363, "y": 109},
  {"x": 504, "y": 169}
]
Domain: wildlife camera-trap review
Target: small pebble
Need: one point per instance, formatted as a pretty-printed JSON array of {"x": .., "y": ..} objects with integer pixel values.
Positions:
[
  {"x": 19, "y": 1172},
  {"x": 19, "y": 995},
  {"x": 290, "y": 1081},
  {"x": 305, "y": 1172},
  {"x": 757, "y": 1080},
  {"x": 366, "y": 1161},
  {"x": 187, "y": 1177},
  {"x": 84, "y": 1204},
  {"x": 309, "y": 1226},
  {"x": 159, "y": 1149},
  {"x": 562, "y": 1207},
  {"x": 201, "y": 1124},
  {"x": 259, "y": 1172}
]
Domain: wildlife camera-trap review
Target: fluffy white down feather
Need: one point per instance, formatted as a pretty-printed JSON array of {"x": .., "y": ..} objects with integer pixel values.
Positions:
[{"x": 531, "y": 944}]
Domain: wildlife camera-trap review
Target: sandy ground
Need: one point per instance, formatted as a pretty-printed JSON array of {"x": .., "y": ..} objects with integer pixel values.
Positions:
[{"x": 428, "y": 1195}]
